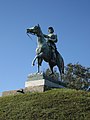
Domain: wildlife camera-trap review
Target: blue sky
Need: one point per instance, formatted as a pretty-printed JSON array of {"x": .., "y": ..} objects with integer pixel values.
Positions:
[{"x": 71, "y": 21}]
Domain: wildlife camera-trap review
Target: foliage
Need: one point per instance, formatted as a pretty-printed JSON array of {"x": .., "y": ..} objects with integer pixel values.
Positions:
[
  {"x": 56, "y": 104},
  {"x": 76, "y": 76}
]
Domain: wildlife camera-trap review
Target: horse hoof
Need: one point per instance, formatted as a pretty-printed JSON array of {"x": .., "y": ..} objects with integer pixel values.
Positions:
[
  {"x": 33, "y": 64},
  {"x": 51, "y": 74}
]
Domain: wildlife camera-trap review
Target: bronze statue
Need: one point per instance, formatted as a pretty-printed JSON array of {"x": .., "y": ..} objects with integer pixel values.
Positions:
[{"x": 46, "y": 50}]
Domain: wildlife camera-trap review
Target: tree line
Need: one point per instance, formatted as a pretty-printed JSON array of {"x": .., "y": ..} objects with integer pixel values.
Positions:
[{"x": 77, "y": 76}]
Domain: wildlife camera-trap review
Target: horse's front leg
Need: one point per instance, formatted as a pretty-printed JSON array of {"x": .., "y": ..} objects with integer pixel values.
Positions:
[
  {"x": 33, "y": 62},
  {"x": 36, "y": 57}
]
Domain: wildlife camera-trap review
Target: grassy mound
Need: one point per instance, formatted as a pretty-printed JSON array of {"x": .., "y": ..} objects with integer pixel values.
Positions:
[{"x": 56, "y": 104}]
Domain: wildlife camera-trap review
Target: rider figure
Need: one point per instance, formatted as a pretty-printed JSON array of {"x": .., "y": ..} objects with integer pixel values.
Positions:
[{"x": 51, "y": 40}]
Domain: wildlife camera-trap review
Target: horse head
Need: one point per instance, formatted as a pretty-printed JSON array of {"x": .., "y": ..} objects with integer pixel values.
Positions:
[{"x": 34, "y": 30}]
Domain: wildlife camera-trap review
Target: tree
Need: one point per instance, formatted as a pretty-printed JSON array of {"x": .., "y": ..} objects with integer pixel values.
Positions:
[{"x": 76, "y": 76}]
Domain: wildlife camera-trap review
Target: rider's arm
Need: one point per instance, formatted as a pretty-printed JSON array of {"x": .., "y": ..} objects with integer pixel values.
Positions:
[
  {"x": 53, "y": 38},
  {"x": 46, "y": 36}
]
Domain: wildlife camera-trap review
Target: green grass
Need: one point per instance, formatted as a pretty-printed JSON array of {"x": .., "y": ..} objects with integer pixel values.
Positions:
[{"x": 56, "y": 104}]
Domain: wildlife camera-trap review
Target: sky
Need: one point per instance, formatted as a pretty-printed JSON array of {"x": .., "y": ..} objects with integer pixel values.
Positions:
[{"x": 70, "y": 20}]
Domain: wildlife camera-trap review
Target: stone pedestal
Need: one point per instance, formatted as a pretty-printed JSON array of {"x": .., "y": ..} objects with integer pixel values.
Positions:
[
  {"x": 40, "y": 83},
  {"x": 37, "y": 83}
]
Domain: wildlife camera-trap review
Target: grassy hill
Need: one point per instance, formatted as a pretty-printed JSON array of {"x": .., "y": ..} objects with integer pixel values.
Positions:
[{"x": 56, "y": 104}]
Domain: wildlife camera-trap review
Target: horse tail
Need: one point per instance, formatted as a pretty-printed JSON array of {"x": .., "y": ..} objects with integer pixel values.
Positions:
[
  {"x": 62, "y": 66},
  {"x": 60, "y": 62}
]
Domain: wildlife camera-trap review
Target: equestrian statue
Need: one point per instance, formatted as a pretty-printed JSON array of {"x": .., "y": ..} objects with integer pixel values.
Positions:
[{"x": 46, "y": 49}]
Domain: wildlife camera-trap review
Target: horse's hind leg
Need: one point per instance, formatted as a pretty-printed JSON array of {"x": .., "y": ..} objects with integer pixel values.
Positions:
[
  {"x": 51, "y": 67},
  {"x": 39, "y": 61},
  {"x": 60, "y": 71}
]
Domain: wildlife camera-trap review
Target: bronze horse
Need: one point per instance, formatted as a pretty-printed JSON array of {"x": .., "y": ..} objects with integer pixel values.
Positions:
[{"x": 43, "y": 51}]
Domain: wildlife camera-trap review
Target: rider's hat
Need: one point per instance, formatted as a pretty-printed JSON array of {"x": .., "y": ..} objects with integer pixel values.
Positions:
[{"x": 51, "y": 28}]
